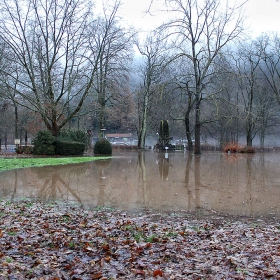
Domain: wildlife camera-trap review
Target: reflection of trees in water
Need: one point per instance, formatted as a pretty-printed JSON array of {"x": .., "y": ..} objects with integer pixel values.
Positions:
[
  {"x": 102, "y": 165},
  {"x": 55, "y": 187},
  {"x": 257, "y": 173},
  {"x": 56, "y": 182},
  {"x": 243, "y": 183},
  {"x": 237, "y": 166},
  {"x": 143, "y": 175},
  {"x": 199, "y": 168},
  {"x": 65, "y": 170},
  {"x": 197, "y": 161},
  {"x": 193, "y": 195},
  {"x": 9, "y": 186},
  {"x": 187, "y": 180},
  {"x": 163, "y": 165},
  {"x": 15, "y": 185},
  {"x": 248, "y": 178},
  {"x": 264, "y": 175},
  {"x": 64, "y": 182},
  {"x": 262, "y": 172}
]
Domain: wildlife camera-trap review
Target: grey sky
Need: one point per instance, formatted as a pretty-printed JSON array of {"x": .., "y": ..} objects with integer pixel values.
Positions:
[{"x": 263, "y": 15}]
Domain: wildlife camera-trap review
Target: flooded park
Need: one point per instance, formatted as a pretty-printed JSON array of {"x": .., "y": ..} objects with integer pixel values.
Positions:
[{"x": 213, "y": 182}]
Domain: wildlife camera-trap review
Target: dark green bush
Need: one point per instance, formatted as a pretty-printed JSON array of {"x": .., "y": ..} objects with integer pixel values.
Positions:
[
  {"x": 102, "y": 147},
  {"x": 66, "y": 147},
  {"x": 43, "y": 143},
  {"x": 75, "y": 135},
  {"x": 24, "y": 150}
]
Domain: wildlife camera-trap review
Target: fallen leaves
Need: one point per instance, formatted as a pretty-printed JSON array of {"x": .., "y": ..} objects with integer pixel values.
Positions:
[
  {"x": 157, "y": 272},
  {"x": 60, "y": 242}
]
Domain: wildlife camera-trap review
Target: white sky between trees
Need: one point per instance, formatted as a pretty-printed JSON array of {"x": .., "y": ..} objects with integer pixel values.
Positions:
[{"x": 262, "y": 15}]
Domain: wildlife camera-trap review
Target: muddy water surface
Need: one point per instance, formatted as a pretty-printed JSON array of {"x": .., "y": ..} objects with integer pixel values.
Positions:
[{"x": 212, "y": 182}]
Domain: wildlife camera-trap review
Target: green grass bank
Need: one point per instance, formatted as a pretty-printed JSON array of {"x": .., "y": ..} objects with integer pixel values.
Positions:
[{"x": 15, "y": 163}]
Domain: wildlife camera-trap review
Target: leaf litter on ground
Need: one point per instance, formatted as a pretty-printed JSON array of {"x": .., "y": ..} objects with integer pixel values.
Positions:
[{"x": 57, "y": 241}]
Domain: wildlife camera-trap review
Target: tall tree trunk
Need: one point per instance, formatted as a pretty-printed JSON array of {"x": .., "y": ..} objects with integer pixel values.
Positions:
[
  {"x": 25, "y": 138},
  {"x": 188, "y": 132},
  {"x": 143, "y": 127},
  {"x": 197, "y": 129},
  {"x": 101, "y": 122},
  {"x": 55, "y": 128},
  {"x": 16, "y": 121},
  {"x": 262, "y": 135},
  {"x": 249, "y": 138},
  {"x": 187, "y": 121},
  {"x": 6, "y": 140},
  {"x": 249, "y": 129}
]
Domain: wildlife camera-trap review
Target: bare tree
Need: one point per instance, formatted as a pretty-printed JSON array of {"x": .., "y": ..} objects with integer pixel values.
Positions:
[
  {"x": 50, "y": 48},
  {"x": 245, "y": 102},
  {"x": 269, "y": 47},
  {"x": 267, "y": 111},
  {"x": 224, "y": 110},
  {"x": 184, "y": 97},
  {"x": 199, "y": 31},
  {"x": 151, "y": 73},
  {"x": 248, "y": 77},
  {"x": 115, "y": 45}
]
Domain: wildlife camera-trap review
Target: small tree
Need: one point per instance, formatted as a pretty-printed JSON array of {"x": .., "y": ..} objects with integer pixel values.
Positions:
[{"x": 44, "y": 143}]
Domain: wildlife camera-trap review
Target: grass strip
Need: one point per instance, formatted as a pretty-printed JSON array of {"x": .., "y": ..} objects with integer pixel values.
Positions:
[{"x": 15, "y": 163}]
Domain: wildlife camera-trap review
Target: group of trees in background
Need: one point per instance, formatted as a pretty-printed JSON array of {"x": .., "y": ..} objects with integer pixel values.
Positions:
[{"x": 64, "y": 67}]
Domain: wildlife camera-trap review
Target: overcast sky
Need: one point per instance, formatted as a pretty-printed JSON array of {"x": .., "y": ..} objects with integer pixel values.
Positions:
[{"x": 263, "y": 15}]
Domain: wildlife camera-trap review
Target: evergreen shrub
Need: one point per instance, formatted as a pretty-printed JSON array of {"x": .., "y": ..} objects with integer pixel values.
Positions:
[
  {"x": 75, "y": 135},
  {"x": 44, "y": 143},
  {"x": 66, "y": 147},
  {"x": 102, "y": 147},
  {"x": 164, "y": 129}
]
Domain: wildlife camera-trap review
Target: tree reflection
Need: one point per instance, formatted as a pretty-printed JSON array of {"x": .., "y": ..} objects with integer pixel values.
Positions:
[
  {"x": 187, "y": 180},
  {"x": 249, "y": 177},
  {"x": 15, "y": 185},
  {"x": 102, "y": 165},
  {"x": 197, "y": 161},
  {"x": 56, "y": 188},
  {"x": 193, "y": 182},
  {"x": 249, "y": 184},
  {"x": 143, "y": 175},
  {"x": 193, "y": 195},
  {"x": 163, "y": 165},
  {"x": 53, "y": 182}
]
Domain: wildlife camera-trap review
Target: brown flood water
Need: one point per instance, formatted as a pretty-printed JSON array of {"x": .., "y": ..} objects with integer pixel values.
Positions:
[{"x": 242, "y": 184}]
